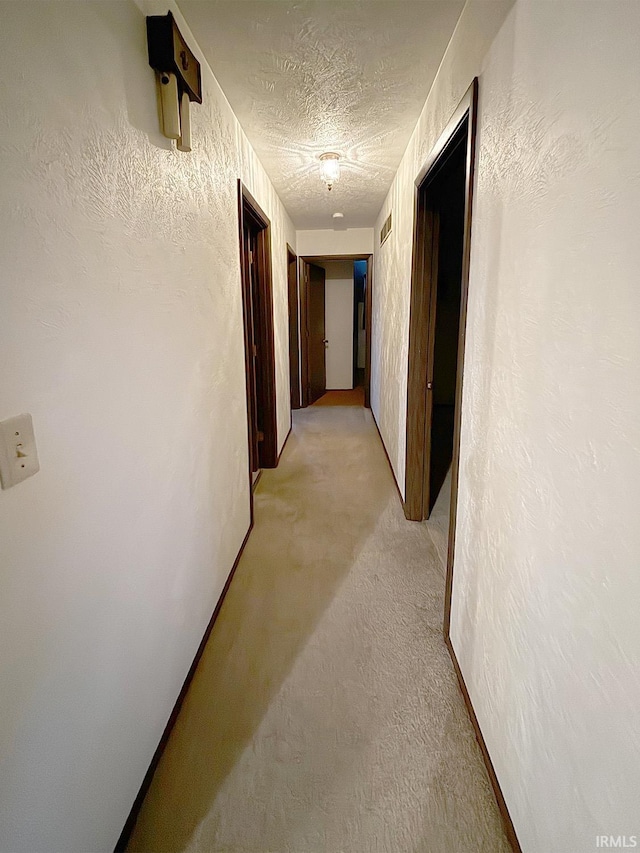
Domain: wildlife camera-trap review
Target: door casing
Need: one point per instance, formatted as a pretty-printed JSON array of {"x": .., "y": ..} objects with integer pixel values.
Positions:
[
  {"x": 422, "y": 322},
  {"x": 294, "y": 336},
  {"x": 257, "y": 309},
  {"x": 315, "y": 331}
]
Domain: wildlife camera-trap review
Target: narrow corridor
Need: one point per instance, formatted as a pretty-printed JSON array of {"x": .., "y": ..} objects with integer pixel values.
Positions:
[{"x": 325, "y": 715}]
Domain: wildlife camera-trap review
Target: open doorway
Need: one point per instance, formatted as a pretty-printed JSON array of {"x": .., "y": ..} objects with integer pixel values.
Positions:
[
  {"x": 294, "y": 337},
  {"x": 257, "y": 307},
  {"x": 437, "y": 324},
  {"x": 359, "y": 322},
  {"x": 315, "y": 351},
  {"x": 335, "y": 318}
]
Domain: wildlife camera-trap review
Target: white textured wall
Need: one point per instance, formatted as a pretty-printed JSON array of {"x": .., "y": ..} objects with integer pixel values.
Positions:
[
  {"x": 347, "y": 241},
  {"x": 120, "y": 331},
  {"x": 339, "y": 323},
  {"x": 546, "y": 582}
]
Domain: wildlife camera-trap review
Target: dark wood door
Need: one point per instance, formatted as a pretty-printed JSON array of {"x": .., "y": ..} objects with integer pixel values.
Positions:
[
  {"x": 294, "y": 344},
  {"x": 316, "y": 341},
  {"x": 251, "y": 301},
  {"x": 257, "y": 311},
  {"x": 447, "y": 201}
]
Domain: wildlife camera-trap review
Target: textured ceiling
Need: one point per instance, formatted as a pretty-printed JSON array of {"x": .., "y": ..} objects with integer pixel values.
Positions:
[{"x": 331, "y": 75}]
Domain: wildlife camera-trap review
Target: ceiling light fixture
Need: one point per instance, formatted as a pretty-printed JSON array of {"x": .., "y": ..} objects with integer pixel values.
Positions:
[
  {"x": 338, "y": 215},
  {"x": 330, "y": 168}
]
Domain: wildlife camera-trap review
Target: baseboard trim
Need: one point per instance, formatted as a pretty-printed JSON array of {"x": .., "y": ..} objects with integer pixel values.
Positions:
[
  {"x": 502, "y": 805},
  {"x": 284, "y": 444},
  {"x": 393, "y": 473},
  {"x": 497, "y": 790},
  {"x": 130, "y": 823}
]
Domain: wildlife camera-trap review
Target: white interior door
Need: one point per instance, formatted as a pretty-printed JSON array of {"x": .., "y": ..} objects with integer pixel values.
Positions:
[{"x": 339, "y": 324}]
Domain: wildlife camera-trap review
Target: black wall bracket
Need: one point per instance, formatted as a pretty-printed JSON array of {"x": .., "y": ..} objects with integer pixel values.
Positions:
[
  {"x": 178, "y": 77},
  {"x": 168, "y": 51}
]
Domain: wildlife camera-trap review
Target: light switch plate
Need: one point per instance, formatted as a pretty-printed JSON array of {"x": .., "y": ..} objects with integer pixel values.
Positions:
[{"x": 18, "y": 453}]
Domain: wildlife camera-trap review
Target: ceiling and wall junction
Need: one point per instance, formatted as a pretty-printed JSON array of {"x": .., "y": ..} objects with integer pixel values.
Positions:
[{"x": 308, "y": 77}]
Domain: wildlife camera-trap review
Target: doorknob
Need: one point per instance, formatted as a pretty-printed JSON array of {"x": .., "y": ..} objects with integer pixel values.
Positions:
[
  {"x": 429, "y": 386},
  {"x": 325, "y": 342}
]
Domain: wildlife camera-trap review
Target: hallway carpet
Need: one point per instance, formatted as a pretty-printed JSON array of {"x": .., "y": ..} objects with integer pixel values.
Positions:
[{"x": 325, "y": 716}]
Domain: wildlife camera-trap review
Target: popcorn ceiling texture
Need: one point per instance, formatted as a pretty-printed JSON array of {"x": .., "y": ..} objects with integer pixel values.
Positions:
[
  {"x": 121, "y": 332},
  {"x": 307, "y": 77},
  {"x": 325, "y": 715},
  {"x": 546, "y": 582}
]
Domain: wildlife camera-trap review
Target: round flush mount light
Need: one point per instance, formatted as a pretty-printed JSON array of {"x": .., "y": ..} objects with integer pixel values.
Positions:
[
  {"x": 338, "y": 215},
  {"x": 330, "y": 168}
]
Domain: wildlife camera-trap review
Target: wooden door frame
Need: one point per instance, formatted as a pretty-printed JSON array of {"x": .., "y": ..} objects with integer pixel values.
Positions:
[
  {"x": 294, "y": 328},
  {"x": 249, "y": 207},
  {"x": 304, "y": 321},
  {"x": 421, "y": 321},
  {"x": 368, "y": 312},
  {"x": 304, "y": 330}
]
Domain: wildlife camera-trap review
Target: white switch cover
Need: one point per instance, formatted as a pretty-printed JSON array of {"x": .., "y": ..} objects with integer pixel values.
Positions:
[{"x": 18, "y": 454}]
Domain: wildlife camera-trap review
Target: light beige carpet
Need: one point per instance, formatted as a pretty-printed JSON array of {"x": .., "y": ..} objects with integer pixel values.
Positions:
[{"x": 325, "y": 716}]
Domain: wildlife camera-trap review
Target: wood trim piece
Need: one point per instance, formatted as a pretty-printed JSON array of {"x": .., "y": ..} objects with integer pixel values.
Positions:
[
  {"x": 269, "y": 446},
  {"x": 419, "y": 328},
  {"x": 368, "y": 313},
  {"x": 319, "y": 259},
  {"x": 130, "y": 823},
  {"x": 261, "y": 216},
  {"x": 472, "y": 99},
  {"x": 267, "y": 366},
  {"x": 432, "y": 291},
  {"x": 497, "y": 790},
  {"x": 294, "y": 337},
  {"x": 468, "y": 104},
  {"x": 245, "y": 325},
  {"x": 303, "y": 278}
]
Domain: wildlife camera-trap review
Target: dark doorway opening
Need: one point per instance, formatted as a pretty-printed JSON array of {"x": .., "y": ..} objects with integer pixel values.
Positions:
[
  {"x": 446, "y": 200},
  {"x": 437, "y": 321},
  {"x": 257, "y": 305},
  {"x": 316, "y": 342}
]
